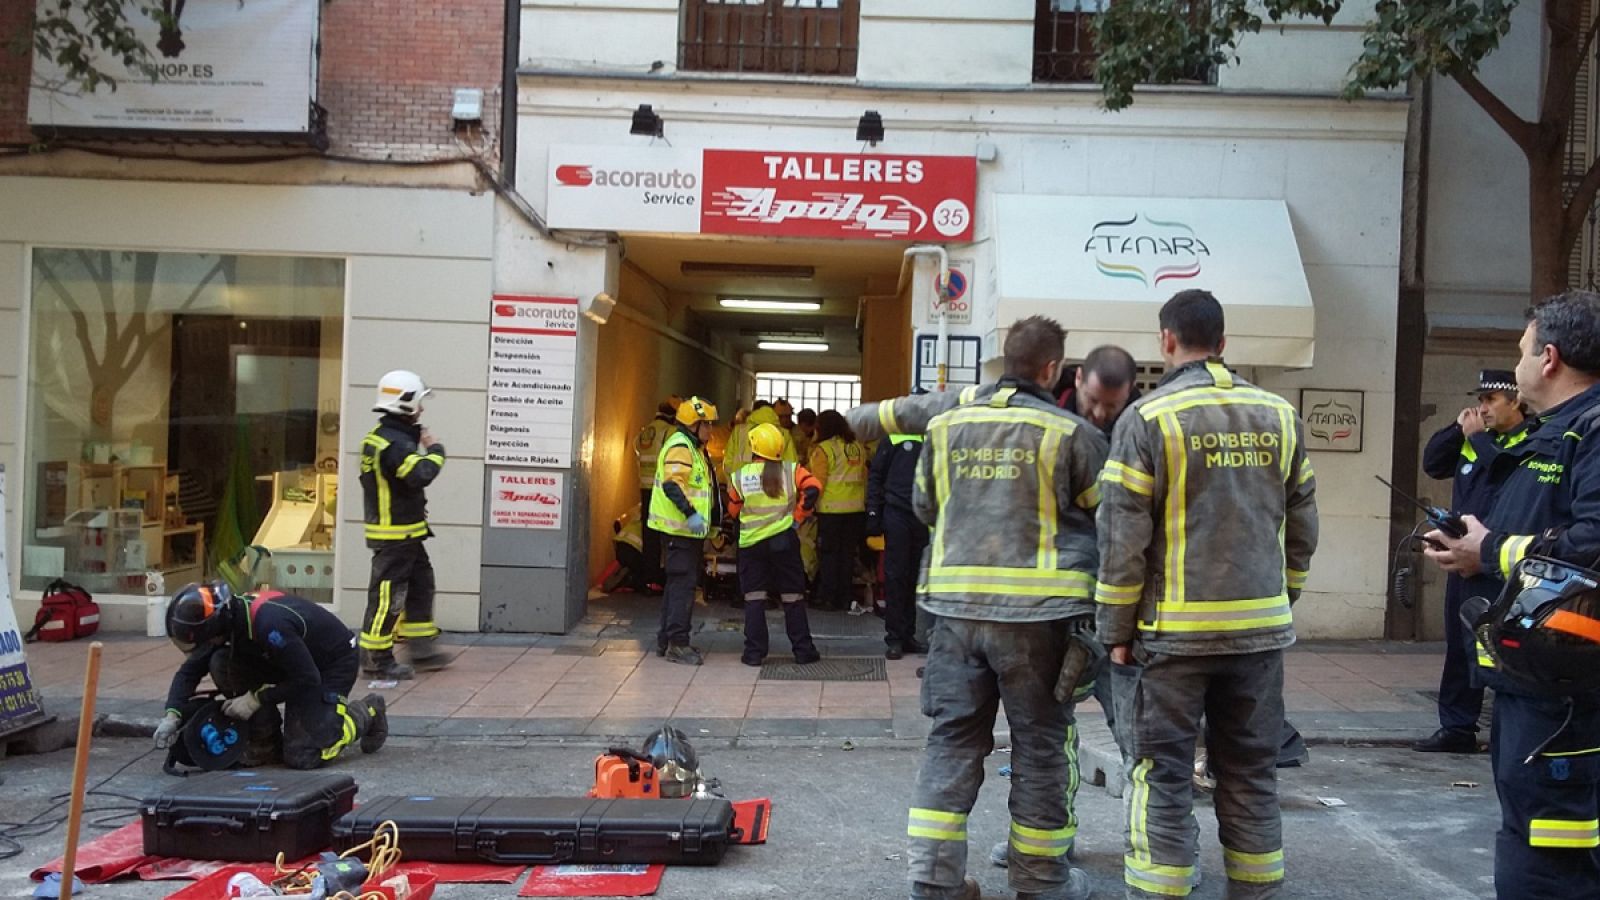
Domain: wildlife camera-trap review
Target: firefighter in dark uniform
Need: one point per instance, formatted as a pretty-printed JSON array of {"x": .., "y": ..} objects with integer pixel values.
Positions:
[
  {"x": 1462, "y": 451},
  {"x": 890, "y": 517},
  {"x": 265, "y": 650},
  {"x": 1010, "y": 591},
  {"x": 1544, "y": 749},
  {"x": 399, "y": 459}
]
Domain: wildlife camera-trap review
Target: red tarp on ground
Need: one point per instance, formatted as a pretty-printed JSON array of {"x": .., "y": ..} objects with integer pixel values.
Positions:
[
  {"x": 104, "y": 858},
  {"x": 593, "y": 881}
]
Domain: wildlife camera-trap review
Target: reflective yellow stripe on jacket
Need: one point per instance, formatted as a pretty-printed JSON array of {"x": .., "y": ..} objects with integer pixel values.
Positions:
[
  {"x": 845, "y": 490},
  {"x": 764, "y": 516}
]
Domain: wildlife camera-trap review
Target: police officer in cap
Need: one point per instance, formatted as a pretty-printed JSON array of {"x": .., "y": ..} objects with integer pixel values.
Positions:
[
  {"x": 1462, "y": 451},
  {"x": 265, "y": 650},
  {"x": 1543, "y": 741}
]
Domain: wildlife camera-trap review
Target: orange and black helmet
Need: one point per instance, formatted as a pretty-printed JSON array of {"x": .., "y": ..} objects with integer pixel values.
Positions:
[{"x": 199, "y": 613}]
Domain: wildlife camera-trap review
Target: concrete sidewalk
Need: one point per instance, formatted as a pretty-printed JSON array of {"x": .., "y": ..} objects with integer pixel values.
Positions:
[{"x": 604, "y": 680}]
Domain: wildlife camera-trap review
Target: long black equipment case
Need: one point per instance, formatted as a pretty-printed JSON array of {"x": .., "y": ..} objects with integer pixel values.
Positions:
[
  {"x": 538, "y": 830},
  {"x": 246, "y": 815}
]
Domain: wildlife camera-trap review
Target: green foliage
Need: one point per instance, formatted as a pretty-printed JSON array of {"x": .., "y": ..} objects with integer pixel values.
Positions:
[
  {"x": 81, "y": 35},
  {"x": 1166, "y": 41}
]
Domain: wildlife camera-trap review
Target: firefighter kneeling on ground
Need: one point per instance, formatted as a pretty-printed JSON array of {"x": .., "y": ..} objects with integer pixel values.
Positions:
[{"x": 262, "y": 651}]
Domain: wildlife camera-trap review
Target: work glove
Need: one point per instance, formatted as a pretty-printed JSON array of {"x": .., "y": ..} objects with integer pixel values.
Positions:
[
  {"x": 697, "y": 523},
  {"x": 167, "y": 730},
  {"x": 1083, "y": 662},
  {"x": 875, "y": 542},
  {"x": 242, "y": 707}
]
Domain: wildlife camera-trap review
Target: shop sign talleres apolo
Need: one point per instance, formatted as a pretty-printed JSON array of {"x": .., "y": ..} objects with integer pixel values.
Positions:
[{"x": 218, "y": 66}]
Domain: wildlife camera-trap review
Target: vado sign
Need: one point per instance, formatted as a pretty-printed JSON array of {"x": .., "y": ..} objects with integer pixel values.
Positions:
[
  {"x": 763, "y": 193},
  {"x": 957, "y": 304}
]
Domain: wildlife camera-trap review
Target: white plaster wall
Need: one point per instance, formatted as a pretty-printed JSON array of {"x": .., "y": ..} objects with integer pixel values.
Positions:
[
  {"x": 418, "y": 276},
  {"x": 627, "y": 35},
  {"x": 1337, "y": 165},
  {"x": 946, "y": 42}
]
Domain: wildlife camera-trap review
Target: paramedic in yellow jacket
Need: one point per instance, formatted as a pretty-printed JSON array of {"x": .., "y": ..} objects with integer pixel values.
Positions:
[
  {"x": 840, "y": 462},
  {"x": 647, "y": 448},
  {"x": 686, "y": 507},
  {"x": 1207, "y": 523}
]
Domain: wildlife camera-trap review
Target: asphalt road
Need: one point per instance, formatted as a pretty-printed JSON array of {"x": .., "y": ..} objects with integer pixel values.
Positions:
[{"x": 838, "y": 827}]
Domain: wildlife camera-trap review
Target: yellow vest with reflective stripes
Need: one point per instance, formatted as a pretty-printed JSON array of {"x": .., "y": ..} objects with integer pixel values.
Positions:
[
  {"x": 631, "y": 533},
  {"x": 665, "y": 516},
  {"x": 845, "y": 491},
  {"x": 648, "y": 446},
  {"x": 764, "y": 516}
]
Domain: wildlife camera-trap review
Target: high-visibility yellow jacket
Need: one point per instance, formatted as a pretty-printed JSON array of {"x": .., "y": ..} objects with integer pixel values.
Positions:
[
  {"x": 1009, "y": 486},
  {"x": 1208, "y": 517},
  {"x": 841, "y": 466},
  {"x": 647, "y": 446}
]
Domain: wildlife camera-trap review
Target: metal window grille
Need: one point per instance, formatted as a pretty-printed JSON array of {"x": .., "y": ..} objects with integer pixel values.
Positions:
[
  {"x": 1063, "y": 40},
  {"x": 785, "y": 37},
  {"x": 840, "y": 392}
]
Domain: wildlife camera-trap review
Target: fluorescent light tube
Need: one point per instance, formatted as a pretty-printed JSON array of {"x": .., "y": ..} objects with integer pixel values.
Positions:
[
  {"x": 792, "y": 347},
  {"x": 773, "y": 305}
]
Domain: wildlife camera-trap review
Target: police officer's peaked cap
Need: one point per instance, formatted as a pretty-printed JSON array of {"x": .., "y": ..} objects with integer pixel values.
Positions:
[{"x": 1491, "y": 380}]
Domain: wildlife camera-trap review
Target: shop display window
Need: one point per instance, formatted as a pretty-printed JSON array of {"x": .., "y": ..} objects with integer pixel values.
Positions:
[{"x": 182, "y": 420}]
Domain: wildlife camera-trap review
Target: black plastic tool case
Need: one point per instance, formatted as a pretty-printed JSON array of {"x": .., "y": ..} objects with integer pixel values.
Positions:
[
  {"x": 533, "y": 831},
  {"x": 246, "y": 815}
]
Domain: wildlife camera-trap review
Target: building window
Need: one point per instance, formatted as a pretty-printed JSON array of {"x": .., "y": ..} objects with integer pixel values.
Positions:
[
  {"x": 783, "y": 37},
  {"x": 1063, "y": 40},
  {"x": 181, "y": 408},
  {"x": 804, "y": 391}
]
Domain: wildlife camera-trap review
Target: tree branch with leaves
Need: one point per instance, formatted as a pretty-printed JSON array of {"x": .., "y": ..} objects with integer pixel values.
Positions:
[{"x": 1166, "y": 41}]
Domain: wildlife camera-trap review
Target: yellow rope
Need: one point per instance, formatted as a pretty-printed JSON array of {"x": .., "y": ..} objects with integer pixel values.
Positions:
[{"x": 385, "y": 847}]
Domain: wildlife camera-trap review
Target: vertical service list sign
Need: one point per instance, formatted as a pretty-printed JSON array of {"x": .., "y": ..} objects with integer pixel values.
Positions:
[
  {"x": 533, "y": 361},
  {"x": 19, "y": 702}
]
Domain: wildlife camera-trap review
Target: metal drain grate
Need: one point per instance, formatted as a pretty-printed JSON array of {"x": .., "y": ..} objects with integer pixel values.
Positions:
[{"x": 846, "y": 668}]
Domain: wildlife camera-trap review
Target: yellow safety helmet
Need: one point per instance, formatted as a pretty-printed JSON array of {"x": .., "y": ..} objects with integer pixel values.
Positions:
[
  {"x": 766, "y": 441},
  {"x": 695, "y": 410}
]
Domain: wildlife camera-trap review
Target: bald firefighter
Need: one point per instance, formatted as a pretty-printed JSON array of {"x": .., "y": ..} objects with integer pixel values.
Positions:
[
  {"x": 1008, "y": 588},
  {"x": 1207, "y": 523}
]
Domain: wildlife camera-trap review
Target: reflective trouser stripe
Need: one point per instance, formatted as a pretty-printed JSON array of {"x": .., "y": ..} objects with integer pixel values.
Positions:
[
  {"x": 1580, "y": 833},
  {"x": 416, "y": 629},
  {"x": 1171, "y": 881},
  {"x": 1073, "y": 779},
  {"x": 1041, "y": 841},
  {"x": 375, "y": 638},
  {"x": 1259, "y": 868},
  {"x": 937, "y": 825},
  {"x": 347, "y": 734}
]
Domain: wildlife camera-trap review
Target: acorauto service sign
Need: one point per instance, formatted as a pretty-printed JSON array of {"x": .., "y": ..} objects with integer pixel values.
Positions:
[{"x": 763, "y": 193}]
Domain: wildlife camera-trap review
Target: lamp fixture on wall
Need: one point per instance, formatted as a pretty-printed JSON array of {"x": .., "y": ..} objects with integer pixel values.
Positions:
[
  {"x": 870, "y": 128},
  {"x": 647, "y": 123}
]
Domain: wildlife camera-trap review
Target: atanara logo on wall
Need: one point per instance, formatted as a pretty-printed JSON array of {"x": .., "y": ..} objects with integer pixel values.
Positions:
[
  {"x": 1332, "y": 420},
  {"x": 1149, "y": 251}
]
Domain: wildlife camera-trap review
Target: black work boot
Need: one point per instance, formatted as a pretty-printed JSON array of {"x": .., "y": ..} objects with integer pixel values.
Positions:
[
  {"x": 684, "y": 655},
  {"x": 1448, "y": 740},
  {"x": 381, "y": 664},
  {"x": 377, "y": 730}
]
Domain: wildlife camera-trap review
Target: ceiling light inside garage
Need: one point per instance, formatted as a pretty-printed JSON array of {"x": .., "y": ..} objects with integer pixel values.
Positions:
[
  {"x": 768, "y": 304},
  {"x": 791, "y": 347}
]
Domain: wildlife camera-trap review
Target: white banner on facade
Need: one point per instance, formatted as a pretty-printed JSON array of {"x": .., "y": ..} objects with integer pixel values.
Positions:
[
  {"x": 19, "y": 702},
  {"x": 225, "y": 67},
  {"x": 637, "y": 188},
  {"x": 523, "y": 499},
  {"x": 533, "y": 364}
]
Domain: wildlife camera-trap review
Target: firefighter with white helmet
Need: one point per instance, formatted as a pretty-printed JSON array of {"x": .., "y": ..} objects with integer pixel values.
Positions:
[{"x": 399, "y": 459}]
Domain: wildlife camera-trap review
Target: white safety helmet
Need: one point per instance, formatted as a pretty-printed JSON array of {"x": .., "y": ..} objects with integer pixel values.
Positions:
[{"x": 400, "y": 392}]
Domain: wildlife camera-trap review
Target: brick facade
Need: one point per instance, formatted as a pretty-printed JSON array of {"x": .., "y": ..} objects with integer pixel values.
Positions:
[{"x": 389, "y": 69}]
